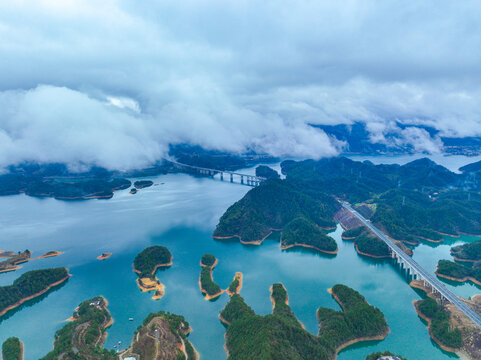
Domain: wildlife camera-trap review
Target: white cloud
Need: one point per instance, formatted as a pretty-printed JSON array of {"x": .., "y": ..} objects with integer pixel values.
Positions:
[{"x": 114, "y": 82}]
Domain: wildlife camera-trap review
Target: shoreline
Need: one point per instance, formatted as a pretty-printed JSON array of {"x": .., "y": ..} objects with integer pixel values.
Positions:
[
  {"x": 464, "y": 279},
  {"x": 285, "y": 247},
  {"x": 359, "y": 339},
  {"x": 430, "y": 240},
  {"x": 21, "y": 351},
  {"x": 253, "y": 242},
  {"x": 428, "y": 320},
  {"x": 15, "y": 265},
  {"x": 21, "y": 301},
  {"x": 211, "y": 266},
  {"x": 463, "y": 260},
  {"x": 369, "y": 255}
]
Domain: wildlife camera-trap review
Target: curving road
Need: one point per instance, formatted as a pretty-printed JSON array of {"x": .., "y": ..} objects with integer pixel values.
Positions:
[{"x": 417, "y": 269}]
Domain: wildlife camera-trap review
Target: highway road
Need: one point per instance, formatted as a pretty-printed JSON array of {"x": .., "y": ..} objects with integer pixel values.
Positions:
[{"x": 417, "y": 269}]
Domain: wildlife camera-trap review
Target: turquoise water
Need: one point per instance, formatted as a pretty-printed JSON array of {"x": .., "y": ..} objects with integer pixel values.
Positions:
[{"x": 181, "y": 214}]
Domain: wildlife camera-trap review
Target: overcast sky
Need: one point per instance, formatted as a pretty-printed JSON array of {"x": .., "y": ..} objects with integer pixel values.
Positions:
[{"x": 113, "y": 83}]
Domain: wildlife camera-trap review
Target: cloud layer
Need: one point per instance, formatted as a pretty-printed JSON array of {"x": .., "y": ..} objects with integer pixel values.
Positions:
[{"x": 113, "y": 83}]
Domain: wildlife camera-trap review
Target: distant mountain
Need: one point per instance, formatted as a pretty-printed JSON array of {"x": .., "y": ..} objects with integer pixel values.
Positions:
[{"x": 358, "y": 140}]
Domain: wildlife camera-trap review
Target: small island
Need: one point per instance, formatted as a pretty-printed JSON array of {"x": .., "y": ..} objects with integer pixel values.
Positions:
[
  {"x": 12, "y": 349},
  {"x": 83, "y": 337},
  {"x": 146, "y": 264},
  {"x": 206, "y": 282},
  {"x": 281, "y": 336},
  {"x": 140, "y": 184},
  {"x": 457, "y": 272},
  {"x": 171, "y": 332},
  {"x": 470, "y": 252},
  {"x": 13, "y": 260},
  {"x": 301, "y": 232},
  {"x": 104, "y": 256},
  {"x": 30, "y": 285},
  {"x": 133, "y": 191}
]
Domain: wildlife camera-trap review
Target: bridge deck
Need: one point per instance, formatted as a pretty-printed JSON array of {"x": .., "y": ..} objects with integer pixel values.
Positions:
[{"x": 425, "y": 275}]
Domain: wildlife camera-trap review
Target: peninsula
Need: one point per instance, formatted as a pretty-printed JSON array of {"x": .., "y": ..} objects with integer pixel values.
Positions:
[
  {"x": 83, "y": 337},
  {"x": 146, "y": 264},
  {"x": 30, "y": 285},
  {"x": 366, "y": 243},
  {"x": 140, "y": 184},
  {"x": 13, "y": 260},
  {"x": 162, "y": 336},
  {"x": 281, "y": 336}
]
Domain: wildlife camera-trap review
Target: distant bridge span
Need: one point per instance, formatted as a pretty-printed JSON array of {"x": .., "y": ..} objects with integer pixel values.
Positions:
[
  {"x": 244, "y": 179},
  {"x": 416, "y": 270}
]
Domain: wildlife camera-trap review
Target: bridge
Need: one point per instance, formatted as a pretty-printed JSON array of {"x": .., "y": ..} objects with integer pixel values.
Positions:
[
  {"x": 416, "y": 271},
  {"x": 244, "y": 179}
]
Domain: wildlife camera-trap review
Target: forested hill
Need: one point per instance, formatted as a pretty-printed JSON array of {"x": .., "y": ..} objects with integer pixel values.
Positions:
[
  {"x": 419, "y": 200},
  {"x": 272, "y": 206}
]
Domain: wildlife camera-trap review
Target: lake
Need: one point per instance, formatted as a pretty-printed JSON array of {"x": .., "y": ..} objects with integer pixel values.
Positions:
[{"x": 181, "y": 213}]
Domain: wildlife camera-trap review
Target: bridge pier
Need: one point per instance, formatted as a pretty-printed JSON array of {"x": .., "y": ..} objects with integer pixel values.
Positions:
[
  {"x": 231, "y": 178},
  {"x": 242, "y": 179},
  {"x": 221, "y": 176}
]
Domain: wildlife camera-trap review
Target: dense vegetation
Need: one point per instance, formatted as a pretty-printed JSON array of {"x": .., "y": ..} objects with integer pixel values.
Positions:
[
  {"x": 208, "y": 260},
  {"x": 378, "y": 355},
  {"x": 11, "y": 349},
  {"x": 468, "y": 251},
  {"x": 150, "y": 258},
  {"x": 455, "y": 270},
  {"x": 280, "y": 335},
  {"x": 82, "y": 338},
  {"x": 273, "y": 205},
  {"x": 267, "y": 172},
  {"x": 370, "y": 244},
  {"x": 440, "y": 327},
  {"x": 30, "y": 283},
  {"x": 303, "y": 231},
  {"x": 206, "y": 282}
]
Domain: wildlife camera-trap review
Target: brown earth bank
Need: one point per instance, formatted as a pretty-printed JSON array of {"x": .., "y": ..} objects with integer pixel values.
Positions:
[
  {"x": 21, "y": 301},
  {"x": 284, "y": 247},
  {"x": 464, "y": 279},
  {"x": 148, "y": 284},
  {"x": 253, "y": 242}
]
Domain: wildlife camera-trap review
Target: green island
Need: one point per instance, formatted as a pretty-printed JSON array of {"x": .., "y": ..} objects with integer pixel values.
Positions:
[
  {"x": 453, "y": 271},
  {"x": 366, "y": 243},
  {"x": 82, "y": 338},
  {"x": 146, "y": 264},
  {"x": 470, "y": 252},
  {"x": 171, "y": 330},
  {"x": 12, "y": 349},
  {"x": 140, "y": 184},
  {"x": 305, "y": 233},
  {"x": 351, "y": 234},
  {"x": 30, "y": 285},
  {"x": 438, "y": 319},
  {"x": 267, "y": 172},
  {"x": 207, "y": 285},
  {"x": 384, "y": 355},
  {"x": 281, "y": 336}
]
